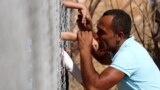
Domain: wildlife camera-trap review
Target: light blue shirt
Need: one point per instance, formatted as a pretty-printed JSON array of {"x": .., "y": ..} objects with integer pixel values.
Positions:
[{"x": 140, "y": 69}]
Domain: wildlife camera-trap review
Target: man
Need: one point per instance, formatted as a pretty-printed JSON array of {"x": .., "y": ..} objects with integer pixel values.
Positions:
[{"x": 131, "y": 67}]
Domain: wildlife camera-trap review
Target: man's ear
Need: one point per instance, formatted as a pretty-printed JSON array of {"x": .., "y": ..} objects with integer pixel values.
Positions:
[{"x": 120, "y": 36}]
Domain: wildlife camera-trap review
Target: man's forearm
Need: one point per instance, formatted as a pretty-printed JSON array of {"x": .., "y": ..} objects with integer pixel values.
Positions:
[{"x": 89, "y": 73}]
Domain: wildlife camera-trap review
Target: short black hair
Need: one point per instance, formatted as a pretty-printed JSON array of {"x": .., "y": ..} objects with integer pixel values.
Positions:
[{"x": 121, "y": 21}]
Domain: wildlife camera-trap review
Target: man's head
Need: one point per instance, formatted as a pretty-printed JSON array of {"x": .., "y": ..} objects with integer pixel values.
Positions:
[{"x": 113, "y": 28}]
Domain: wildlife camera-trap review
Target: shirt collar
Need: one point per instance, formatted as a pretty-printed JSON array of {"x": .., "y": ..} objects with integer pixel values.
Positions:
[{"x": 125, "y": 43}]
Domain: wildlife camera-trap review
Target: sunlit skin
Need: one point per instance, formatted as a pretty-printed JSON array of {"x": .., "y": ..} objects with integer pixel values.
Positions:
[{"x": 110, "y": 76}]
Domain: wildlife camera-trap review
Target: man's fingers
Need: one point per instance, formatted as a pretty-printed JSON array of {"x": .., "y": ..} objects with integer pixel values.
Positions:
[
  {"x": 84, "y": 23},
  {"x": 85, "y": 34},
  {"x": 79, "y": 35}
]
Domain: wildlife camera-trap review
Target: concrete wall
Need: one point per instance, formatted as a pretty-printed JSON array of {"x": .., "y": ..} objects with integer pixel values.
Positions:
[{"x": 30, "y": 45}]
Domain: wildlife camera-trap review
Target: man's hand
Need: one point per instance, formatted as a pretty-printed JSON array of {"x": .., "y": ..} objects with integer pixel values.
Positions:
[
  {"x": 85, "y": 39},
  {"x": 82, "y": 26},
  {"x": 85, "y": 14}
]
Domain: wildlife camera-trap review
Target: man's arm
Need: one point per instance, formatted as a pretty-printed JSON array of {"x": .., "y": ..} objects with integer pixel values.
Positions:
[{"x": 91, "y": 79}]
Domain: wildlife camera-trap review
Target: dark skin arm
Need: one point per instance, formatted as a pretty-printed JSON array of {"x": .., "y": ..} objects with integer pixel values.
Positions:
[{"x": 93, "y": 80}]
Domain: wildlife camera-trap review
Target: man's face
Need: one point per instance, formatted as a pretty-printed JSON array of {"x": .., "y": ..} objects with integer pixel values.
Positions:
[{"x": 107, "y": 38}]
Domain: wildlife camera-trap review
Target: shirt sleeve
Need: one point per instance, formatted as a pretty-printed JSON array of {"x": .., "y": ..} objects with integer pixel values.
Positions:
[{"x": 125, "y": 62}]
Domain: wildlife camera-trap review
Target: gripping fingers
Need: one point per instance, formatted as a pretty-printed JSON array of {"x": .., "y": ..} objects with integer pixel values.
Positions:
[{"x": 84, "y": 20}]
